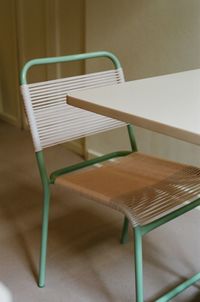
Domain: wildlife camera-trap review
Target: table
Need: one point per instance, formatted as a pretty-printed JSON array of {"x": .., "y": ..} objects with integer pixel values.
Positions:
[{"x": 168, "y": 104}]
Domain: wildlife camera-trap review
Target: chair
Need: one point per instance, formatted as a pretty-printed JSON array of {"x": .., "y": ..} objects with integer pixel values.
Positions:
[{"x": 148, "y": 191}]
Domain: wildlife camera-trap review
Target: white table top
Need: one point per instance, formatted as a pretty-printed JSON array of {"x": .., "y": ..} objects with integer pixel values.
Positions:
[{"x": 168, "y": 104}]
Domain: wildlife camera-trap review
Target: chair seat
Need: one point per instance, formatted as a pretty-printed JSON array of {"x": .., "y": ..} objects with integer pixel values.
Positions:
[{"x": 142, "y": 187}]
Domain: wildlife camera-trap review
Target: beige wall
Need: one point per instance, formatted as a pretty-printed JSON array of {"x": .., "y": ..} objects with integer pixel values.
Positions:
[
  {"x": 151, "y": 38},
  {"x": 9, "y": 97},
  {"x": 31, "y": 29},
  {"x": 50, "y": 28}
]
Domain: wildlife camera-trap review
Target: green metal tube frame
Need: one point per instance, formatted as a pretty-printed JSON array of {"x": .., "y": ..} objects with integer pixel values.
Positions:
[
  {"x": 86, "y": 163},
  {"x": 45, "y": 217},
  {"x": 139, "y": 232},
  {"x": 68, "y": 58},
  {"x": 48, "y": 180}
]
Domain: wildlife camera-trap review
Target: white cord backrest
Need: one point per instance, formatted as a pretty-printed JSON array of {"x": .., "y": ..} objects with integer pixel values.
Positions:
[{"x": 52, "y": 121}]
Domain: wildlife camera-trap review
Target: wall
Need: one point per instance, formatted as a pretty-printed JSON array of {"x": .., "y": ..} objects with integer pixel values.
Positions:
[
  {"x": 50, "y": 28},
  {"x": 31, "y": 29},
  {"x": 150, "y": 38},
  {"x": 9, "y": 97}
]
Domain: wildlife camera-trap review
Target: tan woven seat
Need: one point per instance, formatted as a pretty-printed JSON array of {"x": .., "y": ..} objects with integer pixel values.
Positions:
[{"x": 142, "y": 187}]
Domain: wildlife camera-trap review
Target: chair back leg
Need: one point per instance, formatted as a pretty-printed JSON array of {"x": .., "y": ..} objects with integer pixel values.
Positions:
[{"x": 124, "y": 235}]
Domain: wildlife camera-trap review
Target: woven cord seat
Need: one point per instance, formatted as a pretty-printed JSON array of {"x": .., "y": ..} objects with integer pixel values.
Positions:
[{"x": 142, "y": 187}]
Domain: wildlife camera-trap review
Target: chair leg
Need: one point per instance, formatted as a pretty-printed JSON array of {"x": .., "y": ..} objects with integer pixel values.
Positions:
[
  {"x": 43, "y": 249},
  {"x": 124, "y": 235},
  {"x": 138, "y": 265}
]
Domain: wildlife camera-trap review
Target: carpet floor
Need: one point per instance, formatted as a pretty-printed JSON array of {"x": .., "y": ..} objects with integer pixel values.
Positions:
[{"x": 85, "y": 261}]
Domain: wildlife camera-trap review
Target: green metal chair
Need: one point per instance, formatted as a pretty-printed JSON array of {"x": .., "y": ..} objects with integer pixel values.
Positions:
[{"x": 147, "y": 190}]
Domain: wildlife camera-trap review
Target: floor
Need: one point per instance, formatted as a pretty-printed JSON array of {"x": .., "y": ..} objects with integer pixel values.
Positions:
[{"x": 85, "y": 261}]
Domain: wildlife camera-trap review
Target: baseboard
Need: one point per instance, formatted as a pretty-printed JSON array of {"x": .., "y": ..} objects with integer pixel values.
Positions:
[
  {"x": 90, "y": 153},
  {"x": 76, "y": 147},
  {"x": 9, "y": 119}
]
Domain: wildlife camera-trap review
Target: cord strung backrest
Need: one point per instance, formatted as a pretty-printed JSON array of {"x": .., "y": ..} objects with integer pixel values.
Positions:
[{"x": 52, "y": 121}]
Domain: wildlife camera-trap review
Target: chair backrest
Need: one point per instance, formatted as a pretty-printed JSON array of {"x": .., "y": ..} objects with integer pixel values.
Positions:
[{"x": 51, "y": 120}]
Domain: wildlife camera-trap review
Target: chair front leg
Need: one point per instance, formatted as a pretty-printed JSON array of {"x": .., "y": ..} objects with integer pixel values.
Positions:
[
  {"x": 124, "y": 235},
  {"x": 138, "y": 264},
  {"x": 44, "y": 237}
]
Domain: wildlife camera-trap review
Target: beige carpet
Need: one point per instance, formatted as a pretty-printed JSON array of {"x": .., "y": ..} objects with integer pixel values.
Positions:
[{"x": 85, "y": 262}]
